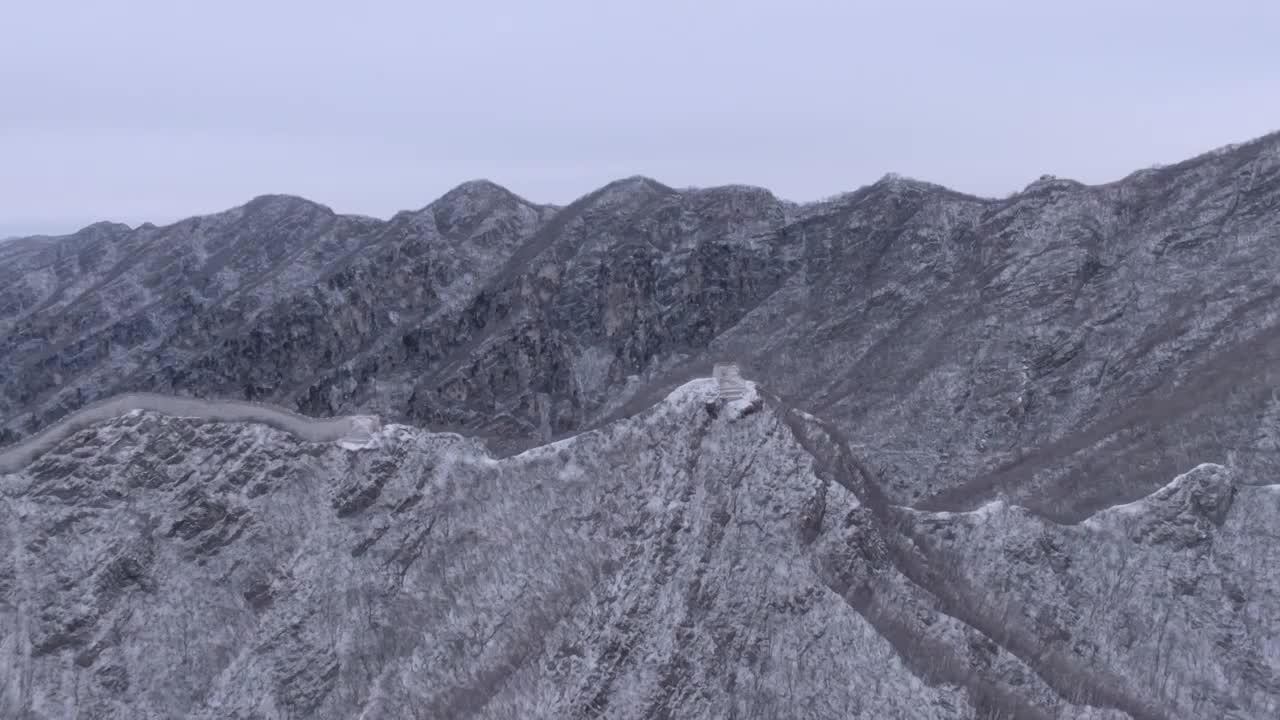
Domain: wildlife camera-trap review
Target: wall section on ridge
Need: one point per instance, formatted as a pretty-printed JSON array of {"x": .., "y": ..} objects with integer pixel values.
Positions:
[{"x": 24, "y": 452}]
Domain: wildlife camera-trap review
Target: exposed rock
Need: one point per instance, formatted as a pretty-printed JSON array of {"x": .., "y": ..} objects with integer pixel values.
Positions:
[{"x": 672, "y": 564}]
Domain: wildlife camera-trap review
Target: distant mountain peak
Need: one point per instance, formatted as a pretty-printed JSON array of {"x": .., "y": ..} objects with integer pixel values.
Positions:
[
  {"x": 276, "y": 203},
  {"x": 638, "y": 183},
  {"x": 105, "y": 226},
  {"x": 479, "y": 191},
  {"x": 899, "y": 182},
  {"x": 1053, "y": 182},
  {"x": 630, "y": 190},
  {"x": 479, "y": 185},
  {"x": 737, "y": 190}
]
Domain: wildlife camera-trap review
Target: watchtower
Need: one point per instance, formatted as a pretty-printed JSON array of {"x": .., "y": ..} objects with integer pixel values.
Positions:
[{"x": 729, "y": 380}]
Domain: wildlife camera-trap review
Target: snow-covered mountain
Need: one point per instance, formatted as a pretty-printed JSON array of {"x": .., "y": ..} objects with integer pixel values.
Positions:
[
  {"x": 703, "y": 558},
  {"x": 993, "y": 458},
  {"x": 1088, "y": 342}
]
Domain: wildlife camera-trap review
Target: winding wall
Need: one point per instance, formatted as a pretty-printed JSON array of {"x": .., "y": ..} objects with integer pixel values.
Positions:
[{"x": 17, "y": 456}]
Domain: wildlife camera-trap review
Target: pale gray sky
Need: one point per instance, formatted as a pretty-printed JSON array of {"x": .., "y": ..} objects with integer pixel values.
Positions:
[{"x": 154, "y": 110}]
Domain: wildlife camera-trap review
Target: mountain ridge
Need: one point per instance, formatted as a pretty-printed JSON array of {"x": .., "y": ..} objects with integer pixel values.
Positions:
[
  {"x": 610, "y": 571},
  {"x": 1208, "y": 154},
  {"x": 1061, "y": 308}
]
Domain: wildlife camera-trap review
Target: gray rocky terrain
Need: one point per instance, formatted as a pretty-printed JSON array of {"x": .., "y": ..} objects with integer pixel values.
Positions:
[
  {"x": 1002, "y": 458},
  {"x": 1075, "y": 345},
  {"x": 702, "y": 558}
]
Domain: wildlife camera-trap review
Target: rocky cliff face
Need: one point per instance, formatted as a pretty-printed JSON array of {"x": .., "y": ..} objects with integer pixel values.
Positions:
[
  {"x": 701, "y": 559},
  {"x": 252, "y": 303}
]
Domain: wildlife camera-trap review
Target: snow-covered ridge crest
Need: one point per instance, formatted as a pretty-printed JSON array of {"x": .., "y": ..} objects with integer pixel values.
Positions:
[
  {"x": 1207, "y": 490},
  {"x": 352, "y": 431},
  {"x": 1201, "y": 477},
  {"x": 740, "y": 398},
  {"x": 364, "y": 432}
]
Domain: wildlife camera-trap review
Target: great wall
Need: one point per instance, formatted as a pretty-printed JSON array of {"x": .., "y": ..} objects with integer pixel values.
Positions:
[{"x": 351, "y": 430}]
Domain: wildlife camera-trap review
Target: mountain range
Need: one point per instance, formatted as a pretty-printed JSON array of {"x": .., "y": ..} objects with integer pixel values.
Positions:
[{"x": 1000, "y": 458}]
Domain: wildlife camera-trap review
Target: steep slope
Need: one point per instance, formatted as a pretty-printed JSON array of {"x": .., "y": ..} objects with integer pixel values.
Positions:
[
  {"x": 1173, "y": 598},
  {"x": 628, "y": 281},
  {"x": 700, "y": 559},
  {"x": 1070, "y": 343},
  {"x": 1073, "y": 344},
  {"x": 253, "y": 303},
  {"x": 655, "y": 568}
]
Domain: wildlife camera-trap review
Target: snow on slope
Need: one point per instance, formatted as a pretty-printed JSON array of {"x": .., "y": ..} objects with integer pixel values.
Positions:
[
  {"x": 654, "y": 567},
  {"x": 1175, "y": 596},
  {"x": 696, "y": 560}
]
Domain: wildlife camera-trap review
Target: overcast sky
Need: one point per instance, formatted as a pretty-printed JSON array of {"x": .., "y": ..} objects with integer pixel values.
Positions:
[{"x": 154, "y": 110}]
